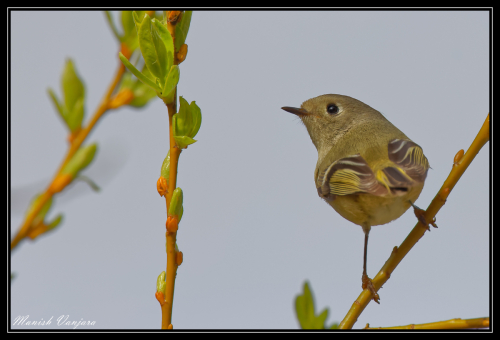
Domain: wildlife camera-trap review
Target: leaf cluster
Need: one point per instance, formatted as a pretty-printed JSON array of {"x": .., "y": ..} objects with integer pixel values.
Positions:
[
  {"x": 158, "y": 50},
  {"x": 304, "y": 307},
  {"x": 186, "y": 123},
  {"x": 71, "y": 109}
]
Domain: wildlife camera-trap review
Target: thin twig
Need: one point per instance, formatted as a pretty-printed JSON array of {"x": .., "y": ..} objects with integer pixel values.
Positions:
[{"x": 448, "y": 324}]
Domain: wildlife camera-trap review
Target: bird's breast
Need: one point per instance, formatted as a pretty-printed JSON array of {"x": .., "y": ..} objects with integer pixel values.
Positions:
[{"x": 366, "y": 209}]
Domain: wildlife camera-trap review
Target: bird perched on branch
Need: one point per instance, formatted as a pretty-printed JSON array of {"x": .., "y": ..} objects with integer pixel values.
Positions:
[{"x": 367, "y": 170}]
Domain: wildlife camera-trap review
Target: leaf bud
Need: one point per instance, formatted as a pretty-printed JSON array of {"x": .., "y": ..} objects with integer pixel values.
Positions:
[
  {"x": 80, "y": 160},
  {"x": 176, "y": 203},
  {"x": 162, "y": 186},
  {"x": 160, "y": 283}
]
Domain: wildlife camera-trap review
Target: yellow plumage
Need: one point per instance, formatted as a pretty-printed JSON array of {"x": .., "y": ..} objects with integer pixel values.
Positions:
[{"x": 367, "y": 170}]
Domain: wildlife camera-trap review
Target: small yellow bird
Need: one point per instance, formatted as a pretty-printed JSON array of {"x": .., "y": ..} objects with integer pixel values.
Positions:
[{"x": 367, "y": 170}]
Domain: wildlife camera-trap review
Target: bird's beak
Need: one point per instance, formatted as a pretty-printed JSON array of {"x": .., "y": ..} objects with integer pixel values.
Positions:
[{"x": 296, "y": 111}]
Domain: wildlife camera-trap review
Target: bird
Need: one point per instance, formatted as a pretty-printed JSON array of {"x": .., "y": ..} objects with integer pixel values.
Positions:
[{"x": 367, "y": 170}]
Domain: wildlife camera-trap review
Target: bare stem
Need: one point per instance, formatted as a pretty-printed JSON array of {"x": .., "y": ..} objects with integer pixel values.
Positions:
[{"x": 448, "y": 324}]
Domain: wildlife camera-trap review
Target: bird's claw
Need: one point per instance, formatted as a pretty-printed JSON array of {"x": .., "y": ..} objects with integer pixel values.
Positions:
[
  {"x": 420, "y": 214},
  {"x": 368, "y": 284}
]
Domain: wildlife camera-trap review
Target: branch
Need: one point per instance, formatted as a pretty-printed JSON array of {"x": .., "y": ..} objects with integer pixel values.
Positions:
[
  {"x": 175, "y": 151},
  {"x": 59, "y": 183},
  {"x": 448, "y": 324},
  {"x": 459, "y": 167}
]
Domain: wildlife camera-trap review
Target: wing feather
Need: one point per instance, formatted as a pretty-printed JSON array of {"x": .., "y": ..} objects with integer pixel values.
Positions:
[
  {"x": 352, "y": 174},
  {"x": 410, "y": 159},
  {"x": 349, "y": 175}
]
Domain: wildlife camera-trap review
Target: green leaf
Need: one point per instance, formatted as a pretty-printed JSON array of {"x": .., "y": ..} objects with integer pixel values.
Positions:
[
  {"x": 334, "y": 325},
  {"x": 182, "y": 29},
  {"x": 137, "y": 15},
  {"x": 80, "y": 160},
  {"x": 196, "y": 114},
  {"x": 57, "y": 103},
  {"x": 142, "y": 92},
  {"x": 142, "y": 95},
  {"x": 75, "y": 117},
  {"x": 176, "y": 202},
  {"x": 111, "y": 23},
  {"x": 165, "y": 36},
  {"x": 183, "y": 121},
  {"x": 72, "y": 86},
  {"x": 180, "y": 218},
  {"x": 165, "y": 167},
  {"x": 90, "y": 182},
  {"x": 146, "y": 72},
  {"x": 304, "y": 307},
  {"x": 183, "y": 141},
  {"x": 127, "y": 81},
  {"x": 172, "y": 81},
  {"x": 41, "y": 214},
  {"x": 128, "y": 24},
  {"x": 153, "y": 50},
  {"x": 169, "y": 98},
  {"x": 55, "y": 222},
  {"x": 322, "y": 318},
  {"x": 146, "y": 80},
  {"x": 129, "y": 30}
]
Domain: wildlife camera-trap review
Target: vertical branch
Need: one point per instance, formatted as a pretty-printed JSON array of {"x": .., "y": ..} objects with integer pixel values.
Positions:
[
  {"x": 171, "y": 237},
  {"x": 175, "y": 151}
]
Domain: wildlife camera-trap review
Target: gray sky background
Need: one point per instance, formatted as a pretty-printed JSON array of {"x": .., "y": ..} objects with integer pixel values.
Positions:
[{"x": 254, "y": 228}]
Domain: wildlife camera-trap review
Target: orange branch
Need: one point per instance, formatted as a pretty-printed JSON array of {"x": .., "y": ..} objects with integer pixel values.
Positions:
[
  {"x": 175, "y": 151},
  {"x": 171, "y": 237}
]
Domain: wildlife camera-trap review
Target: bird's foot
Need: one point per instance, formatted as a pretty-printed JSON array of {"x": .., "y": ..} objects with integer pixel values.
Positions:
[
  {"x": 420, "y": 214},
  {"x": 368, "y": 284}
]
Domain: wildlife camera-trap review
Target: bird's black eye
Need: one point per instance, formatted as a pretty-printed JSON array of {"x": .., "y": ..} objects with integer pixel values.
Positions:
[{"x": 332, "y": 109}]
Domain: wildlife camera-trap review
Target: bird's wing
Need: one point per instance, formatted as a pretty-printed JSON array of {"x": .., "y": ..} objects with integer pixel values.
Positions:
[
  {"x": 410, "y": 158},
  {"x": 353, "y": 175},
  {"x": 349, "y": 175}
]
